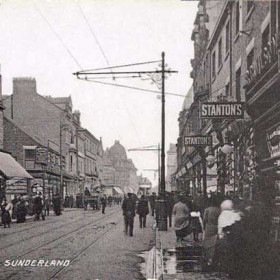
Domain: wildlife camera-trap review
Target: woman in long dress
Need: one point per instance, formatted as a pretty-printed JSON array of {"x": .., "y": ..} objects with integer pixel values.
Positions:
[
  {"x": 210, "y": 224},
  {"x": 182, "y": 219}
]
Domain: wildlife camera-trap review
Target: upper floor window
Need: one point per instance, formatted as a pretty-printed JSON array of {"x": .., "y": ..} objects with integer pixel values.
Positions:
[
  {"x": 250, "y": 58},
  {"x": 29, "y": 155},
  {"x": 265, "y": 36},
  {"x": 238, "y": 84},
  {"x": 214, "y": 64},
  {"x": 227, "y": 37},
  {"x": 220, "y": 54},
  {"x": 250, "y": 5},
  {"x": 237, "y": 17}
]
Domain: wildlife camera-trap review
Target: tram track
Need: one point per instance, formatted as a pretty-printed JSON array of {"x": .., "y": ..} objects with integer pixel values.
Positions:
[
  {"x": 36, "y": 235},
  {"x": 36, "y": 226},
  {"x": 64, "y": 268},
  {"x": 57, "y": 238}
]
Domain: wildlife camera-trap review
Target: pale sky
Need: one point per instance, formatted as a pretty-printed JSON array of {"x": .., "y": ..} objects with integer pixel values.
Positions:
[{"x": 128, "y": 32}]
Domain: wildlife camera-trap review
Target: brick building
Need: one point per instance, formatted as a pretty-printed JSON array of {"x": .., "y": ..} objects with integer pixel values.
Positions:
[
  {"x": 41, "y": 161},
  {"x": 51, "y": 120}
]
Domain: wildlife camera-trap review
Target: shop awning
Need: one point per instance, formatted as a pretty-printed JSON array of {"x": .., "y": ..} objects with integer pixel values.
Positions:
[
  {"x": 11, "y": 168},
  {"x": 118, "y": 190}
]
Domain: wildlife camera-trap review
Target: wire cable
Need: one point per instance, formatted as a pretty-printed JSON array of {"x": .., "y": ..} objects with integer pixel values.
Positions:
[
  {"x": 93, "y": 34},
  {"x": 121, "y": 66},
  {"x": 57, "y": 35},
  {"x": 136, "y": 88}
]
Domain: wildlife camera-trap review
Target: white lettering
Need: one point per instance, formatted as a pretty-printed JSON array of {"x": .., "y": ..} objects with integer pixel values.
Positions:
[{"x": 7, "y": 263}]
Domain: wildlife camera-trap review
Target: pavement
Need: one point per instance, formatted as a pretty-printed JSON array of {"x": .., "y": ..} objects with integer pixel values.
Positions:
[{"x": 173, "y": 261}]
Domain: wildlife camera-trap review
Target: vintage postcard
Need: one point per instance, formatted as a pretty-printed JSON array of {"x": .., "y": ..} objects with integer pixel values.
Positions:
[{"x": 139, "y": 139}]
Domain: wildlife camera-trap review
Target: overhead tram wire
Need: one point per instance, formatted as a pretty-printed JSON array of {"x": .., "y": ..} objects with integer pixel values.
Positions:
[
  {"x": 107, "y": 61},
  {"x": 121, "y": 66},
  {"x": 57, "y": 35},
  {"x": 130, "y": 87},
  {"x": 94, "y": 36}
]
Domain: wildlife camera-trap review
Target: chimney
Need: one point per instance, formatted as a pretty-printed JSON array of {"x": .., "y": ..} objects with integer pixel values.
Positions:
[{"x": 24, "y": 86}]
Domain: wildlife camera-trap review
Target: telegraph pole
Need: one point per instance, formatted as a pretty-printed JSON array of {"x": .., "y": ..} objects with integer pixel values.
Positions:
[
  {"x": 162, "y": 219},
  {"x": 157, "y": 77}
]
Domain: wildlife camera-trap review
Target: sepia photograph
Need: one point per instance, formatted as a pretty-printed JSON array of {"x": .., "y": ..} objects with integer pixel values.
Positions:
[{"x": 139, "y": 140}]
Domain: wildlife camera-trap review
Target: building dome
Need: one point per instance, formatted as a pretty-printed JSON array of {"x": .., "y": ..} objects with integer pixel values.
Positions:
[{"x": 117, "y": 151}]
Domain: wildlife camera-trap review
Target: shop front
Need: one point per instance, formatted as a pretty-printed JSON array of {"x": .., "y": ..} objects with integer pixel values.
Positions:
[{"x": 263, "y": 105}]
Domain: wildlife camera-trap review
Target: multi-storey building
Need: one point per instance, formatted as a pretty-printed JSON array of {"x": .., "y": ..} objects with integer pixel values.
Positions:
[
  {"x": 171, "y": 167},
  {"x": 236, "y": 59},
  {"x": 89, "y": 164},
  {"x": 124, "y": 173},
  {"x": 52, "y": 120}
]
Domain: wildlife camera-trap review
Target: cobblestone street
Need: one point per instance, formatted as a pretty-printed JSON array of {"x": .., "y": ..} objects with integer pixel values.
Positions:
[{"x": 94, "y": 243}]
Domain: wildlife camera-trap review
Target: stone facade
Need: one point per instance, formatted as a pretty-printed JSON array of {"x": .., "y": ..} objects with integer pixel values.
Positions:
[
  {"x": 124, "y": 173},
  {"x": 171, "y": 167}
]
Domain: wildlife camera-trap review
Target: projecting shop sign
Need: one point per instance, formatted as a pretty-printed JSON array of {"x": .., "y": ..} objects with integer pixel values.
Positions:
[
  {"x": 201, "y": 141},
  {"x": 225, "y": 110}
]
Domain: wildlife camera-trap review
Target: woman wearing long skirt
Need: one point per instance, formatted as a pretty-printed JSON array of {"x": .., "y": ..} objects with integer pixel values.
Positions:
[
  {"x": 182, "y": 219},
  {"x": 210, "y": 224}
]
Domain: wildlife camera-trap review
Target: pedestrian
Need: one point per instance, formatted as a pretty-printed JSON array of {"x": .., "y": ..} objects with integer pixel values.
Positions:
[
  {"x": 210, "y": 225},
  {"x": 21, "y": 210},
  {"x": 152, "y": 200},
  {"x": 103, "y": 204},
  {"x": 169, "y": 207},
  {"x": 38, "y": 208},
  {"x": 57, "y": 205},
  {"x": 182, "y": 219},
  {"x": 229, "y": 238},
  {"x": 142, "y": 210},
  {"x": 47, "y": 206},
  {"x": 128, "y": 208},
  {"x": 5, "y": 213},
  {"x": 14, "y": 203}
]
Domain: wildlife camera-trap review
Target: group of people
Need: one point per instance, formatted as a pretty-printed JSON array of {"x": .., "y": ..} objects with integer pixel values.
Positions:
[
  {"x": 20, "y": 206},
  {"x": 131, "y": 207},
  {"x": 235, "y": 235}
]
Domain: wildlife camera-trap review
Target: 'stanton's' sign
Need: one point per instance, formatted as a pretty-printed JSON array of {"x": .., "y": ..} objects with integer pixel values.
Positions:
[
  {"x": 198, "y": 140},
  {"x": 230, "y": 110}
]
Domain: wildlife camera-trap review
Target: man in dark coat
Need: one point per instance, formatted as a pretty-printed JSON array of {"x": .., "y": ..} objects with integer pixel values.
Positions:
[
  {"x": 153, "y": 202},
  {"x": 143, "y": 210},
  {"x": 128, "y": 208},
  {"x": 169, "y": 207},
  {"x": 21, "y": 211},
  {"x": 57, "y": 205},
  {"x": 38, "y": 208},
  {"x": 103, "y": 204}
]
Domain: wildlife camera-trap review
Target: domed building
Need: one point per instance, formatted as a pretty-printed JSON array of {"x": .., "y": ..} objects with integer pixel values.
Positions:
[{"x": 125, "y": 175}]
